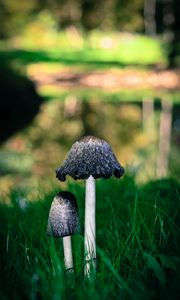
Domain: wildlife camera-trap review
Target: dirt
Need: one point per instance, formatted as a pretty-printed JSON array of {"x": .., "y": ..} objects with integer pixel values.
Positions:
[{"x": 112, "y": 79}]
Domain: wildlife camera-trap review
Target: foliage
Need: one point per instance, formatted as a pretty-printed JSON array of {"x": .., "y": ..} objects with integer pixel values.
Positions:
[
  {"x": 107, "y": 14},
  {"x": 87, "y": 14},
  {"x": 97, "y": 50},
  {"x": 119, "y": 15},
  {"x": 137, "y": 237}
]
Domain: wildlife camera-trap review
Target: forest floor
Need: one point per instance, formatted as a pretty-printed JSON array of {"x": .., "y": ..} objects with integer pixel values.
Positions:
[{"x": 107, "y": 79}]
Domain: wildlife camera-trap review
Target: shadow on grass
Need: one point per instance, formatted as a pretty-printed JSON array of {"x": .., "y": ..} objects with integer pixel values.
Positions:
[{"x": 73, "y": 58}]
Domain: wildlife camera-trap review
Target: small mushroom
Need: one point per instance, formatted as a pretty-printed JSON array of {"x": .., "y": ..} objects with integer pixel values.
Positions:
[
  {"x": 90, "y": 158},
  {"x": 63, "y": 222}
]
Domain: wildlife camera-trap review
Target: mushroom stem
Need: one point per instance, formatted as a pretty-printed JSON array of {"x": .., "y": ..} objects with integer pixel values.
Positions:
[
  {"x": 90, "y": 227},
  {"x": 68, "y": 259}
]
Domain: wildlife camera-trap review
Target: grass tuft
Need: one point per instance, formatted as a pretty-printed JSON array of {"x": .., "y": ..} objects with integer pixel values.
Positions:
[{"x": 138, "y": 235}]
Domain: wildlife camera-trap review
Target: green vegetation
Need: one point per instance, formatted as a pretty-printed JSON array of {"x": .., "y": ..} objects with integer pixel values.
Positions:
[
  {"x": 100, "y": 68},
  {"x": 51, "y": 92},
  {"x": 85, "y": 14},
  {"x": 138, "y": 236},
  {"x": 96, "y": 50}
]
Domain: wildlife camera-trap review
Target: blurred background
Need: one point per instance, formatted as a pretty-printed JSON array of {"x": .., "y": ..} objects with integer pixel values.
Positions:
[{"x": 70, "y": 68}]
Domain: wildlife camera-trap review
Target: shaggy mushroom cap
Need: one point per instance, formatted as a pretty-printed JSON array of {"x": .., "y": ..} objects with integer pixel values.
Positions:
[
  {"x": 90, "y": 156},
  {"x": 63, "y": 216}
]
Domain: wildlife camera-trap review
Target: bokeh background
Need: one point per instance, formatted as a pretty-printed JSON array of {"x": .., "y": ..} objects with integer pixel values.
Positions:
[
  {"x": 70, "y": 68},
  {"x": 109, "y": 68}
]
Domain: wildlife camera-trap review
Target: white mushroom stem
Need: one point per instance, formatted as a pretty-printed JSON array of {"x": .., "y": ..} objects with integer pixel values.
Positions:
[
  {"x": 90, "y": 227},
  {"x": 68, "y": 258}
]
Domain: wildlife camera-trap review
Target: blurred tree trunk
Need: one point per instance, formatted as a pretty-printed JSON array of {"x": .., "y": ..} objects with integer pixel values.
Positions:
[
  {"x": 150, "y": 17},
  {"x": 148, "y": 115},
  {"x": 90, "y": 14},
  {"x": 149, "y": 133},
  {"x": 150, "y": 29},
  {"x": 164, "y": 138},
  {"x": 171, "y": 20}
]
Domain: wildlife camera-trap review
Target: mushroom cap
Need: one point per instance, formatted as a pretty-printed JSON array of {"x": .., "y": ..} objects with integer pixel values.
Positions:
[
  {"x": 90, "y": 156},
  {"x": 63, "y": 216}
]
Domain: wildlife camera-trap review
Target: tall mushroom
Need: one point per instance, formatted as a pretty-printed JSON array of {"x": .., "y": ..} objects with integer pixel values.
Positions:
[
  {"x": 63, "y": 222},
  {"x": 90, "y": 158}
]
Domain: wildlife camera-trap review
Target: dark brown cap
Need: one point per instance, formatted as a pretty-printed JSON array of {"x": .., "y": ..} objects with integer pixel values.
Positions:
[
  {"x": 90, "y": 156},
  {"x": 63, "y": 216}
]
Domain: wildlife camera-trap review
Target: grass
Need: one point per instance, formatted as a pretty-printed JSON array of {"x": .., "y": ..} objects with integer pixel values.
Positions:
[
  {"x": 50, "y": 92},
  {"x": 138, "y": 235},
  {"x": 138, "y": 227},
  {"x": 94, "y": 51},
  {"x": 97, "y": 51}
]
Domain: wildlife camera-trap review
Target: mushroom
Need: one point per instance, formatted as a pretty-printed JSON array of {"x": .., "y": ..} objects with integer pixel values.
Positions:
[
  {"x": 63, "y": 222},
  {"x": 90, "y": 158}
]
